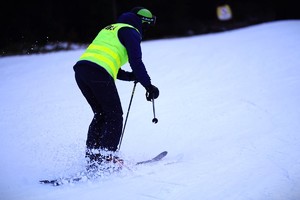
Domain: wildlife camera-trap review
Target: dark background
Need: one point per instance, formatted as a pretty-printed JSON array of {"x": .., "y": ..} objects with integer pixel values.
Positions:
[{"x": 27, "y": 26}]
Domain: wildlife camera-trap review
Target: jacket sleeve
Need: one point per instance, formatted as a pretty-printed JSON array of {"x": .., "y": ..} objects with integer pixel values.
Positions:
[{"x": 131, "y": 39}]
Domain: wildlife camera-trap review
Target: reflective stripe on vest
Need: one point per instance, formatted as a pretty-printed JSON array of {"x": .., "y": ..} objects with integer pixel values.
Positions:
[{"x": 107, "y": 51}]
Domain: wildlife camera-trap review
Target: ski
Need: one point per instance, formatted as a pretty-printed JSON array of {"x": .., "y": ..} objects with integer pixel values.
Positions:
[
  {"x": 61, "y": 181},
  {"x": 155, "y": 159},
  {"x": 84, "y": 175},
  {"x": 87, "y": 175}
]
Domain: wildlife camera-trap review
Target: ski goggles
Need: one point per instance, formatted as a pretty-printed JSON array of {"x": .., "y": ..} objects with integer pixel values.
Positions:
[{"x": 151, "y": 21}]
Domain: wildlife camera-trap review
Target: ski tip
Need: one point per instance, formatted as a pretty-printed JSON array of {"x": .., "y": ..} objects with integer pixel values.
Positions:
[
  {"x": 155, "y": 159},
  {"x": 50, "y": 182},
  {"x": 44, "y": 181},
  {"x": 164, "y": 153},
  {"x": 160, "y": 156}
]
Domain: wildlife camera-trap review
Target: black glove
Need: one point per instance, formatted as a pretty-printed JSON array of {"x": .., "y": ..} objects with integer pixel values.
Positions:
[
  {"x": 131, "y": 77},
  {"x": 152, "y": 92},
  {"x": 126, "y": 76}
]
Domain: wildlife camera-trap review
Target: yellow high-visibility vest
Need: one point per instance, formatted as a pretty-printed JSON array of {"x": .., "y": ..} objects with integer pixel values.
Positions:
[{"x": 106, "y": 49}]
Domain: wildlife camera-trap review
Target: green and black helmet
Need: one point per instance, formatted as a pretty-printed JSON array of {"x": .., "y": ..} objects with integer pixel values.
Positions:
[{"x": 145, "y": 15}]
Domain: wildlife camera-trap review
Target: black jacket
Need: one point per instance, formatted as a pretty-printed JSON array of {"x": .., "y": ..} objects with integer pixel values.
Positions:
[{"x": 131, "y": 39}]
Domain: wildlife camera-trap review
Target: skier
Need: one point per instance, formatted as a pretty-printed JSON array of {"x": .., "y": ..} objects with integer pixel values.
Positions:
[{"x": 95, "y": 73}]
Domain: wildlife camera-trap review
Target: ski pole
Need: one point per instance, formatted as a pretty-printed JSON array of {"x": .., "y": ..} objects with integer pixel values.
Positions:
[
  {"x": 154, "y": 120},
  {"x": 121, "y": 138}
]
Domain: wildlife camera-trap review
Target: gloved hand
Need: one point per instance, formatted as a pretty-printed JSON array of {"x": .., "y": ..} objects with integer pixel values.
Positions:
[
  {"x": 126, "y": 76},
  {"x": 131, "y": 76},
  {"x": 152, "y": 92}
]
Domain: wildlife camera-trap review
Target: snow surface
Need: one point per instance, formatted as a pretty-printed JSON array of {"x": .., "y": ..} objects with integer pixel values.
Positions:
[{"x": 228, "y": 114}]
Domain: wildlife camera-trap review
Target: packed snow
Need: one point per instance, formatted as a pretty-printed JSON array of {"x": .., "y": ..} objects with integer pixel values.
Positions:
[{"x": 228, "y": 114}]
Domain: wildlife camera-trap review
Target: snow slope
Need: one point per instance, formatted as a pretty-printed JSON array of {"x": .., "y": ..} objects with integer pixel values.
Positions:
[{"x": 228, "y": 114}]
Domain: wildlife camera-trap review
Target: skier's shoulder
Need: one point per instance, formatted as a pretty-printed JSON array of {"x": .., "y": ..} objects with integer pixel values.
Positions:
[
  {"x": 128, "y": 33},
  {"x": 132, "y": 20}
]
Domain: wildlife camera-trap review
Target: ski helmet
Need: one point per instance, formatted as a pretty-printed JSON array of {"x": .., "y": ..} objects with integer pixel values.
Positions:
[{"x": 145, "y": 15}]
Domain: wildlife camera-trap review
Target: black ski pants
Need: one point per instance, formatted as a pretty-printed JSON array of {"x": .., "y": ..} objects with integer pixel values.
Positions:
[{"x": 100, "y": 91}]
